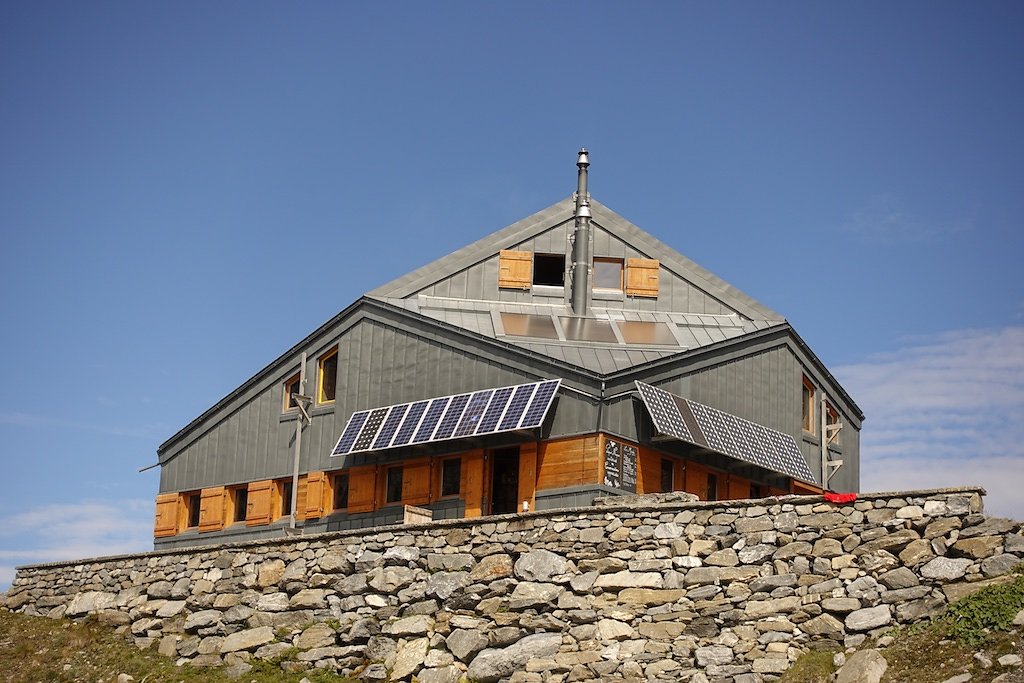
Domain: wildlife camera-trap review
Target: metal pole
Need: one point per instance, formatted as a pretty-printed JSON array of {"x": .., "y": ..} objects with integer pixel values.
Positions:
[
  {"x": 298, "y": 440},
  {"x": 581, "y": 240},
  {"x": 823, "y": 419}
]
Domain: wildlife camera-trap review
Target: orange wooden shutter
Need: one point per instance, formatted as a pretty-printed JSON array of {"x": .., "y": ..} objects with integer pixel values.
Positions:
[
  {"x": 211, "y": 509},
  {"x": 312, "y": 505},
  {"x": 527, "y": 474},
  {"x": 166, "y": 523},
  {"x": 259, "y": 503},
  {"x": 739, "y": 488},
  {"x": 416, "y": 482},
  {"x": 473, "y": 482},
  {"x": 515, "y": 269},
  {"x": 361, "y": 482},
  {"x": 642, "y": 277}
]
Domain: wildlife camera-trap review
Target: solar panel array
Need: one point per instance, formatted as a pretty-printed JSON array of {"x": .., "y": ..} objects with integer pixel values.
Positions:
[
  {"x": 724, "y": 432},
  {"x": 489, "y": 411}
]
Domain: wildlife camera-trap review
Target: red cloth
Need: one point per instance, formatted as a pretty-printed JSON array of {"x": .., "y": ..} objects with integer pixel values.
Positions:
[{"x": 840, "y": 497}]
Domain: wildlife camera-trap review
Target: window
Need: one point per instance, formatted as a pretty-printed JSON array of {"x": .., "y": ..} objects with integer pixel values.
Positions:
[
  {"x": 712, "y": 492},
  {"x": 327, "y": 376},
  {"x": 667, "y": 470},
  {"x": 340, "y": 492},
  {"x": 393, "y": 492},
  {"x": 608, "y": 274},
  {"x": 240, "y": 502},
  {"x": 192, "y": 507},
  {"x": 291, "y": 387},
  {"x": 755, "y": 491},
  {"x": 451, "y": 476},
  {"x": 808, "y": 405},
  {"x": 285, "y": 491},
  {"x": 832, "y": 419},
  {"x": 549, "y": 269}
]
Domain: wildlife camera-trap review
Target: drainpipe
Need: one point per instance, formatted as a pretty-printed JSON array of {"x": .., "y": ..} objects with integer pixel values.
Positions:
[{"x": 581, "y": 240}]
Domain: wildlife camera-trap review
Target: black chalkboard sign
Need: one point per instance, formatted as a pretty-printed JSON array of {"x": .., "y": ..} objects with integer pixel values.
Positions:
[
  {"x": 628, "y": 468},
  {"x": 612, "y": 472}
]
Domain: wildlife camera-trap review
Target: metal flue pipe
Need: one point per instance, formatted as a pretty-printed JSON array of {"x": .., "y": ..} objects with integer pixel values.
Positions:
[{"x": 581, "y": 240}]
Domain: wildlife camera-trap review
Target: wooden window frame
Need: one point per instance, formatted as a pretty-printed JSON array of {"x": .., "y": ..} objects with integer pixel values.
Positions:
[
  {"x": 551, "y": 255},
  {"x": 287, "y": 405},
  {"x": 237, "y": 506},
  {"x": 188, "y": 500},
  {"x": 320, "y": 375},
  {"x": 458, "y": 482},
  {"x": 334, "y": 479},
  {"x": 807, "y": 399},
  {"x": 622, "y": 274},
  {"x": 400, "y": 469},
  {"x": 831, "y": 418},
  {"x": 282, "y": 503}
]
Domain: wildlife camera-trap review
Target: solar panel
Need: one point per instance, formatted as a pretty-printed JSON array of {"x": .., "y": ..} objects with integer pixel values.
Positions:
[
  {"x": 348, "y": 437},
  {"x": 495, "y": 409},
  {"x": 539, "y": 404},
  {"x": 429, "y": 424},
  {"x": 412, "y": 420},
  {"x": 489, "y": 411},
  {"x": 724, "y": 432}
]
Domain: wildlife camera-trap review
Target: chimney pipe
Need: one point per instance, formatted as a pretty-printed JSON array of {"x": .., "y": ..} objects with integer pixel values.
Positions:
[{"x": 581, "y": 240}]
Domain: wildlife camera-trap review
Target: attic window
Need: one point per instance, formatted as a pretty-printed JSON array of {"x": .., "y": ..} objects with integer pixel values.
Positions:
[
  {"x": 549, "y": 270},
  {"x": 327, "y": 376},
  {"x": 608, "y": 274},
  {"x": 291, "y": 387},
  {"x": 807, "y": 399}
]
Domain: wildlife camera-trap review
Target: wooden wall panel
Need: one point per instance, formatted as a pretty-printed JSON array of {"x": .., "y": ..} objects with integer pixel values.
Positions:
[
  {"x": 314, "y": 506},
  {"x": 739, "y": 488},
  {"x": 568, "y": 462},
  {"x": 696, "y": 479},
  {"x": 473, "y": 482},
  {"x": 416, "y": 482},
  {"x": 361, "y": 488},
  {"x": 528, "y": 473},
  {"x": 166, "y": 522},
  {"x": 211, "y": 509},
  {"x": 648, "y": 471},
  {"x": 260, "y": 501}
]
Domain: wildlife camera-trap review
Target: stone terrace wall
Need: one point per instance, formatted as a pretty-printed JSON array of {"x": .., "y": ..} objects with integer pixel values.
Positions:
[{"x": 668, "y": 590}]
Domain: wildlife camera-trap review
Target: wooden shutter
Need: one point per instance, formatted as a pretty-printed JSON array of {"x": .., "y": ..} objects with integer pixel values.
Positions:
[
  {"x": 361, "y": 482},
  {"x": 642, "y": 277},
  {"x": 313, "y": 502},
  {"x": 473, "y": 482},
  {"x": 211, "y": 509},
  {"x": 416, "y": 482},
  {"x": 166, "y": 523},
  {"x": 515, "y": 269},
  {"x": 739, "y": 488},
  {"x": 259, "y": 503}
]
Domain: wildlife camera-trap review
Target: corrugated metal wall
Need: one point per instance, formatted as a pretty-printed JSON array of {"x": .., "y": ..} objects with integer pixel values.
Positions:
[
  {"x": 379, "y": 365},
  {"x": 480, "y": 281}
]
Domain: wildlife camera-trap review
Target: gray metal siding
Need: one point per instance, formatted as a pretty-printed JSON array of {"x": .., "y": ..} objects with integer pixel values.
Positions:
[
  {"x": 379, "y": 365},
  {"x": 480, "y": 280}
]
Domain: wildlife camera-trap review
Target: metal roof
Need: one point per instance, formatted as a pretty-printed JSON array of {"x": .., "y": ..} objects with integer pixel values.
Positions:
[{"x": 691, "y": 330}]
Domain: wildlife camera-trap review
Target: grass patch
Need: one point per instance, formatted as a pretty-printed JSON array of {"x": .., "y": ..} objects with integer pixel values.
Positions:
[
  {"x": 815, "y": 666},
  {"x": 34, "y": 649},
  {"x": 992, "y": 608}
]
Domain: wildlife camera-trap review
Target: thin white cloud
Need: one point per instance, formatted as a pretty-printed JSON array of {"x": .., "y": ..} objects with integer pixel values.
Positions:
[
  {"x": 945, "y": 411},
  {"x": 72, "y": 531},
  {"x": 884, "y": 220}
]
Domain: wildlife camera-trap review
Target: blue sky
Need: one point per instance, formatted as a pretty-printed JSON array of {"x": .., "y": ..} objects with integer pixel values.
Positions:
[{"x": 187, "y": 189}]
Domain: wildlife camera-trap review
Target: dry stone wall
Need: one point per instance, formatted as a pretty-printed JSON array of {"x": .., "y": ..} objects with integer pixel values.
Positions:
[{"x": 658, "y": 588}]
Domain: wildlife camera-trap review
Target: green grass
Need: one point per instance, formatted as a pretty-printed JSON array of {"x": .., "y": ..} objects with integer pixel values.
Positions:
[{"x": 38, "y": 650}]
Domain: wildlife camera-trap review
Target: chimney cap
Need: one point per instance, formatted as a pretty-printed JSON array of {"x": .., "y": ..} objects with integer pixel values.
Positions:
[{"x": 584, "y": 159}]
